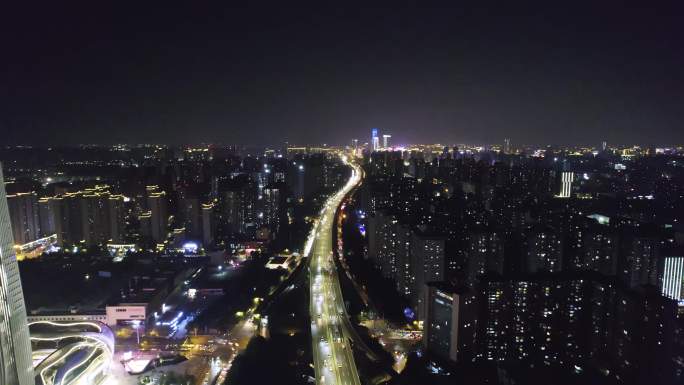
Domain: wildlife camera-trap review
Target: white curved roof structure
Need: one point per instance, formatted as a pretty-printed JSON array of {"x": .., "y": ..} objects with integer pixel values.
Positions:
[{"x": 71, "y": 353}]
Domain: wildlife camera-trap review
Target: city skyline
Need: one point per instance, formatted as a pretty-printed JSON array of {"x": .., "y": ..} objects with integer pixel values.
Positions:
[{"x": 473, "y": 257}]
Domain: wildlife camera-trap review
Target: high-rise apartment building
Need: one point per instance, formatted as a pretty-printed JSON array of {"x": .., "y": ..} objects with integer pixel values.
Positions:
[
  {"x": 16, "y": 366},
  {"x": 47, "y": 217},
  {"x": 428, "y": 264},
  {"x": 385, "y": 258},
  {"x": 599, "y": 249},
  {"x": 533, "y": 318},
  {"x": 271, "y": 205},
  {"x": 23, "y": 212},
  {"x": 485, "y": 254},
  {"x": 93, "y": 216},
  {"x": 191, "y": 215},
  {"x": 238, "y": 205},
  {"x": 544, "y": 250},
  {"x": 403, "y": 276},
  {"x": 102, "y": 217},
  {"x": 158, "y": 213},
  {"x": 639, "y": 263},
  {"x": 390, "y": 247},
  {"x": 450, "y": 322},
  {"x": 208, "y": 224},
  {"x": 233, "y": 210}
]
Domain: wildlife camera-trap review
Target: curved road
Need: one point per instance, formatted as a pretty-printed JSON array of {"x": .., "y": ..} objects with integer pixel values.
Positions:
[{"x": 332, "y": 353}]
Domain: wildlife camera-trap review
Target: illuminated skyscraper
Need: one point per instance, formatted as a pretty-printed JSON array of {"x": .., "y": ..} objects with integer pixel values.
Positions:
[
  {"x": 567, "y": 177},
  {"x": 16, "y": 367},
  {"x": 386, "y": 140},
  {"x": 375, "y": 139},
  {"x": 673, "y": 276}
]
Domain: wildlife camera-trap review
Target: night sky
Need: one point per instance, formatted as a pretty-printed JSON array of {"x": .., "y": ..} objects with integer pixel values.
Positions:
[{"x": 572, "y": 74}]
